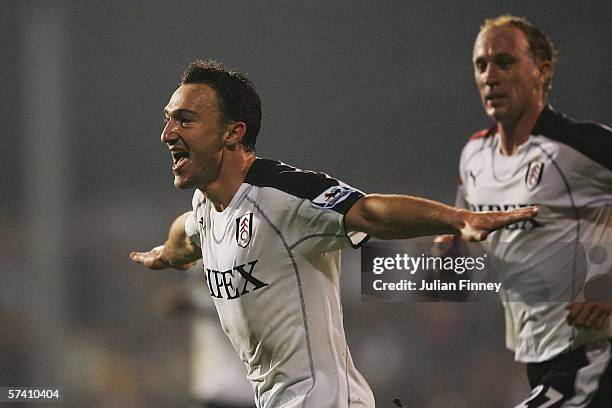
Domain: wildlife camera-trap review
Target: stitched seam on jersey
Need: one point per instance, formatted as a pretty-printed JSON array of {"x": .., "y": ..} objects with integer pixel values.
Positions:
[
  {"x": 300, "y": 291},
  {"x": 577, "y": 213},
  {"x": 594, "y": 204},
  {"x": 194, "y": 216},
  {"x": 299, "y": 241},
  {"x": 200, "y": 230},
  {"x": 201, "y": 203},
  {"x": 195, "y": 213},
  {"x": 345, "y": 235},
  {"x": 212, "y": 230},
  {"x": 348, "y": 387},
  {"x": 228, "y": 225}
]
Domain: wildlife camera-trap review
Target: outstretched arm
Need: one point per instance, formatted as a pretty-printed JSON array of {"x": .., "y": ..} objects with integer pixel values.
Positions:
[
  {"x": 177, "y": 252},
  {"x": 400, "y": 217}
]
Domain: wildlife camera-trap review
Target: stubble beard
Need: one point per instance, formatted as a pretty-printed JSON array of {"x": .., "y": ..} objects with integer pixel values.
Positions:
[{"x": 199, "y": 180}]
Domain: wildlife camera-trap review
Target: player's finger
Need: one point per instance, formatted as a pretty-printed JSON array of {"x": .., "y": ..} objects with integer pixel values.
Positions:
[
  {"x": 148, "y": 259},
  {"x": 520, "y": 214},
  {"x": 137, "y": 257},
  {"x": 603, "y": 315},
  {"x": 592, "y": 319},
  {"x": 583, "y": 316},
  {"x": 574, "y": 310},
  {"x": 602, "y": 321}
]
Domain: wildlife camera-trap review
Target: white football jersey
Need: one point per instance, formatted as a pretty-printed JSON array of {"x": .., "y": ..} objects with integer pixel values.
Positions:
[
  {"x": 272, "y": 263},
  {"x": 565, "y": 168}
]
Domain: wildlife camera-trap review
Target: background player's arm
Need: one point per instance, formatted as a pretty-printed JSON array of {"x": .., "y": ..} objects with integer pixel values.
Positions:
[
  {"x": 400, "y": 217},
  {"x": 177, "y": 252}
]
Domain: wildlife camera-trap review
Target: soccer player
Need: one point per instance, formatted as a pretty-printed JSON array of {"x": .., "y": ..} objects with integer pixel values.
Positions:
[
  {"x": 269, "y": 236},
  {"x": 534, "y": 155}
]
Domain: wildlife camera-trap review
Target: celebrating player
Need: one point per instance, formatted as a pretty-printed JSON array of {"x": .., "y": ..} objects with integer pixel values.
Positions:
[
  {"x": 269, "y": 236},
  {"x": 534, "y": 155}
]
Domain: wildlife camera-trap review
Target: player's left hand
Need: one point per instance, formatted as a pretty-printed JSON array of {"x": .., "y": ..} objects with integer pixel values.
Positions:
[
  {"x": 477, "y": 225},
  {"x": 154, "y": 259},
  {"x": 588, "y": 315}
]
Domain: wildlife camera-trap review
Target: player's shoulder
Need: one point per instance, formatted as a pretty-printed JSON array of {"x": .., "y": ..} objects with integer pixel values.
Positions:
[
  {"x": 592, "y": 139},
  {"x": 300, "y": 183},
  {"x": 478, "y": 141},
  {"x": 198, "y": 199},
  {"x": 483, "y": 134},
  {"x": 559, "y": 126}
]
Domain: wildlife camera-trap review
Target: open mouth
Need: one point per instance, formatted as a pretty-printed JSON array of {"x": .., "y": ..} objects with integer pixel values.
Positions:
[
  {"x": 179, "y": 158},
  {"x": 494, "y": 97},
  {"x": 494, "y": 101}
]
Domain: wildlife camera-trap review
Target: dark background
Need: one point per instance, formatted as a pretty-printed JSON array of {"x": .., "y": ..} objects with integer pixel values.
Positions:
[{"x": 380, "y": 95}]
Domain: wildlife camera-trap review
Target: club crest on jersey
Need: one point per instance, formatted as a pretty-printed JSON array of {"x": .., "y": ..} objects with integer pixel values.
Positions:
[
  {"x": 332, "y": 196},
  {"x": 534, "y": 174},
  {"x": 244, "y": 229}
]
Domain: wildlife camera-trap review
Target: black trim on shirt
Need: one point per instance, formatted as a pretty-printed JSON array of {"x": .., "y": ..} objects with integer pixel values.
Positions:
[
  {"x": 299, "y": 183},
  {"x": 589, "y": 138}
]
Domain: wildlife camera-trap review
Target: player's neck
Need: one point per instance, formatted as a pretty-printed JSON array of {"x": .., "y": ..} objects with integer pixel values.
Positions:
[
  {"x": 234, "y": 168},
  {"x": 515, "y": 133}
]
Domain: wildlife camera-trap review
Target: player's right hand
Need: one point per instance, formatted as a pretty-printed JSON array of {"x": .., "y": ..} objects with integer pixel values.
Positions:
[
  {"x": 478, "y": 225},
  {"x": 589, "y": 315},
  {"x": 154, "y": 259}
]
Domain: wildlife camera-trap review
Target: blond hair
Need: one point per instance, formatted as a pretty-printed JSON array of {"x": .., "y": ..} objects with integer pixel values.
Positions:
[{"x": 540, "y": 45}]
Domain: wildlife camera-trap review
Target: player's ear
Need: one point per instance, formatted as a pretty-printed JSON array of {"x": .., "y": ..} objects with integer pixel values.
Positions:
[
  {"x": 234, "y": 134},
  {"x": 545, "y": 72}
]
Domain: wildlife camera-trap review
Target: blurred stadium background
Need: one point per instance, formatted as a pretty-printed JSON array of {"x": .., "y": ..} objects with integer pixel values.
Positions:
[{"x": 380, "y": 95}]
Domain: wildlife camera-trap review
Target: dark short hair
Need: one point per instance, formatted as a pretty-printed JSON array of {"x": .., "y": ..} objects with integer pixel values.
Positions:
[
  {"x": 236, "y": 95},
  {"x": 540, "y": 45}
]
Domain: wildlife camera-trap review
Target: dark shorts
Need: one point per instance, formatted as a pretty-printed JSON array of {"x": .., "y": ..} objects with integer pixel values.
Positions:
[{"x": 580, "y": 378}]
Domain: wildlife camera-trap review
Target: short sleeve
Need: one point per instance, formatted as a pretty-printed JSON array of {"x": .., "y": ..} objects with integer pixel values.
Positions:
[
  {"x": 340, "y": 198},
  {"x": 306, "y": 207},
  {"x": 191, "y": 229},
  {"x": 319, "y": 223}
]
